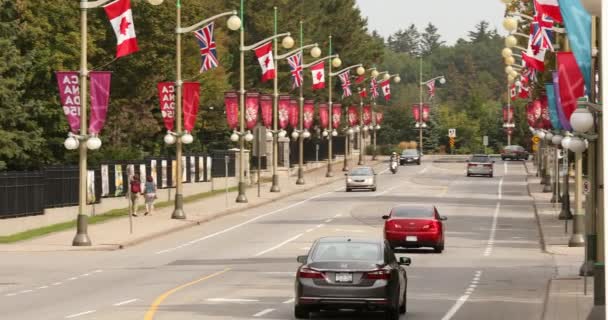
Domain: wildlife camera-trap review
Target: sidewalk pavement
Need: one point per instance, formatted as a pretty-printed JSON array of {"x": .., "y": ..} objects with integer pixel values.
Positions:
[
  {"x": 114, "y": 234},
  {"x": 566, "y": 298}
]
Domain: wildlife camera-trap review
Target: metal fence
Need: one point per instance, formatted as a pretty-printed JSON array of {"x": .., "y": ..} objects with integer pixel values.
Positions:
[{"x": 21, "y": 193}]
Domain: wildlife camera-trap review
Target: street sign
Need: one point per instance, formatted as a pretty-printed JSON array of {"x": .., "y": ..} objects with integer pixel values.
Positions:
[
  {"x": 452, "y": 133},
  {"x": 536, "y": 139},
  {"x": 586, "y": 186},
  {"x": 259, "y": 141},
  {"x": 485, "y": 141},
  {"x": 452, "y": 142}
]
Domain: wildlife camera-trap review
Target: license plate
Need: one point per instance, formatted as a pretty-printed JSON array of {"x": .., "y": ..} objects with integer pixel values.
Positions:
[
  {"x": 344, "y": 277},
  {"x": 411, "y": 238}
]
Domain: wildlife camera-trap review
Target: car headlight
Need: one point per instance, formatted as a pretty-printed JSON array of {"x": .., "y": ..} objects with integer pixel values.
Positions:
[
  {"x": 349, "y": 180},
  {"x": 415, "y": 158},
  {"x": 369, "y": 180}
]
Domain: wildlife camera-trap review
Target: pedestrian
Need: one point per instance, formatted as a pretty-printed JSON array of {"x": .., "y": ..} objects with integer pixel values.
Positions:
[
  {"x": 149, "y": 195},
  {"x": 135, "y": 188}
]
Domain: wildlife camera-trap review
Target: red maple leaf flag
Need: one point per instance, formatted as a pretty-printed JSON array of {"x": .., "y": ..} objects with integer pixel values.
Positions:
[
  {"x": 318, "y": 75},
  {"x": 363, "y": 93},
  {"x": 264, "y": 54},
  {"x": 121, "y": 18},
  {"x": 386, "y": 89}
]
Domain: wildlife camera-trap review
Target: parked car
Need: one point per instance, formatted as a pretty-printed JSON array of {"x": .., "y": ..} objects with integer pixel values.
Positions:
[
  {"x": 480, "y": 164},
  {"x": 344, "y": 273},
  {"x": 412, "y": 226},
  {"x": 361, "y": 178},
  {"x": 410, "y": 156},
  {"x": 514, "y": 152}
]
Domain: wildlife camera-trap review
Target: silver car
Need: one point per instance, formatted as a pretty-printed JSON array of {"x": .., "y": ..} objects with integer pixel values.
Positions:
[
  {"x": 343, "y": 273},
  {"x": 361, "y": 178},
  {"x": 480, "y": 164}
]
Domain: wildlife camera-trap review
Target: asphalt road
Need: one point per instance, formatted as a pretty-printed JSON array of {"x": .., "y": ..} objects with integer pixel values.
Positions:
[{"x": 242, "y": 266}]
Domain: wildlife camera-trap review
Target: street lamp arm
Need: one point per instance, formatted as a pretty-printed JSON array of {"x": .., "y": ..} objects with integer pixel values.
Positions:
[
  {"x": 520, "y": 48},
  {"x": 333, "y": 74},
  {"x": 288, "y": 54},
  {"x": 197, "y": 25},
  {"x": 92, "y": 4},
  {"x": 521, "y": 15},
  {"x": 322, "y": 59},
  {"x": 431, "y": 80},
  {"x": 259, "y": 43},
  {"x": 521, "y": 35},
  {"x": 559, "y": 30}
]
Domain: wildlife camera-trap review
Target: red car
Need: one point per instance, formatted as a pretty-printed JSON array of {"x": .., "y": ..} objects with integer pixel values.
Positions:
[{"x": 411, "y": 226}]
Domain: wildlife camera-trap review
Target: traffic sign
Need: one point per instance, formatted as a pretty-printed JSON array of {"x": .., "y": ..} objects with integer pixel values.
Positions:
[
  {"x": 485, "y": 141},
  {"x": 452, "y": 142},
  {"x": 535, "y": 139},
  {"x": 586, "y": 186},
  {"x": 452, "y": 133}
]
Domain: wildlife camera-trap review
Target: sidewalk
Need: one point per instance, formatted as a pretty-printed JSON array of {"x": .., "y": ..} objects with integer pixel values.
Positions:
[
  {"x": 566, "y": 299},
  {"x": 114, "y": 234}
]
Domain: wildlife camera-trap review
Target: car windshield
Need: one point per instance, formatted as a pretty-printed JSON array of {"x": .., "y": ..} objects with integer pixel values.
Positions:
[
  {"x": 361, "y": 172},
  {"x": 410, "y": 152},
  {"x": 514, "y": 148},
  {"x": 480, "y": 159},
  {"x": 347, "y": 251},
  {"x": 412, "y": 212}
]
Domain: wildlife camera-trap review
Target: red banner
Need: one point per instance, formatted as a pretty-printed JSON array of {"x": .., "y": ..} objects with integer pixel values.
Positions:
[
  {"x": 266, "y": 107},
  {"x": 231, "y": 101},
  {"x": 537, "y": 110},
  {"x": 69, "y": 93},
  {"x": 353, "y": 116},
  {"x": 544, "y": 115},
  {"x": 426, "y": 112},
  {"x": 416, "y": 112},
  {"x": 571, "y": 82},
  {"x": 100, "y": 96},
  {"x": 379, "y": 118},
  {"x": 367, "y": 115},
  {"x": 284, "y": 111},
  {"x": 309, "y": 113},
  {"x": 507, "y": 114},
  {"x": 166, "y": 97},
  {"x": 294, "y": 113},
  {"x": 324, "y": 115},
  {"x": 336, "y": 110},
  {"x": 191, "y": 100},
  {"x": 252, "y": 106},
  {"x": 530, "y": 115}
]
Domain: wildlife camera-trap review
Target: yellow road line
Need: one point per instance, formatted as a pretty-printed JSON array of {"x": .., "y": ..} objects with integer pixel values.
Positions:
[{"x": 154, "y": 306}]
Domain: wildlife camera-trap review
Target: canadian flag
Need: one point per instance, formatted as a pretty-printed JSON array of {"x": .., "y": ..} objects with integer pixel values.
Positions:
[
  {"x": 318, "y": 75},
  {"x": 121, "y": 18},
  {"x": 550, "y": 8},
  {"x": 264, "y": 54},
  {"x": 386, "y": 89}
]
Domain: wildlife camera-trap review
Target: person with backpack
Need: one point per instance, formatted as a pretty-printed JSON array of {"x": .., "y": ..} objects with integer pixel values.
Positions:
[
  {"x": 149, "y": 195},
  {"x": 135, "y": 190}
]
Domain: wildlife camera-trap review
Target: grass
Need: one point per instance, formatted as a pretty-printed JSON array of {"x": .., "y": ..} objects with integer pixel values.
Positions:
[{"x": 112, "y": 214}]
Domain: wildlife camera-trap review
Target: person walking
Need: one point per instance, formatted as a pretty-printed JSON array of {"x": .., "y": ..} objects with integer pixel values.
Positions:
[
  {"x": 135, "y": 190},
  {"x": 149, "y": 195}
]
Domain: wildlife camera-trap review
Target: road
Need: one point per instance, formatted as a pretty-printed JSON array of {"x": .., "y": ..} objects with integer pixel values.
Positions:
[{"x": 242, "y": 266}]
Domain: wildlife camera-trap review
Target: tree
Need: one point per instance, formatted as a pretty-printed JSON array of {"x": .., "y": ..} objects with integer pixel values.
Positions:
[
  {"x": 430, "y": 41},
  {"x": 405, "y": 41}
]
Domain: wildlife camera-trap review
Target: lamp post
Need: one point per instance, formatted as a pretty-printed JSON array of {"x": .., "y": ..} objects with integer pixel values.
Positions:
[
  {"x": 423, "y": 125},
  {"x": 556, "y": 140},
  {"x": 548, "y": 155},
  {"x": 374, "y": 126},
  {"x": 566, "y": 213},
  {"x": 179, "y": 137},
  {"x": 287, "y": 43}
]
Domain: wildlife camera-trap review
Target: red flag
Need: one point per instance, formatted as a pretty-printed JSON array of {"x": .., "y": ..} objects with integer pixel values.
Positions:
[
  {"x": 252, "y": 105},
  {"x": 266, "y": 107},
  {"x": 386, "y": 89},
  {"x": 545, "y": 117},
  {"x": 284, "y": 111},
  {"x": 353, "y": 116},
  {"x": 426, "y": 111},
  {"x": 360, "y": 79},
  {"x": 537, "y": 110},
  {"x": 190, "y": 100},
  {"x": 336, "y": 110},
  {"x": 550, "y": 8},
  {"x": 294, "y": 113},
  {"x": 571, "y": 82},
  {"x": 530, "y": 115},
  {"x": 513, "y": 92},
  {"x": 416, "y": 112},
  {"x": 166, "y": 97},
  {"x": 379, "y": 118},
  {"x": 363, "y": 93},
  {"x": 264, "y": 54},
  {"x": 324, "y": 115},
  {"x": 121, "y": 18},
  {"x": 367, "y": 115},
  {"x": 318, "y": 75},
  {"x": 309, "y": 113},
  {"x": 231, "y": 100}
]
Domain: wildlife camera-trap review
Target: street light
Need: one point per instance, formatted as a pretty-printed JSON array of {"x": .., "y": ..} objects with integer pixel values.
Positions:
[
  {"x": 510, "y": 24},
  {"x": 422, "y": 124}
]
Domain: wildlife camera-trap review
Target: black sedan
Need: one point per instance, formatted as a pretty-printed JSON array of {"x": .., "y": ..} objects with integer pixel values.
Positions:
[
  {"x": 410, "y": 156},
  {"x": 344, "y": 273}
]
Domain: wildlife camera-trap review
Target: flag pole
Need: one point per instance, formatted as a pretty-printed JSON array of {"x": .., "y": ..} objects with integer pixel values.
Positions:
[
  {"x": 301, "y": 120},
  {"x": 275, "y": 141},
  {"x": 242, "y": 196},
  {"x": 329, "y": 136},
  {"x": 178, "y": 212}
]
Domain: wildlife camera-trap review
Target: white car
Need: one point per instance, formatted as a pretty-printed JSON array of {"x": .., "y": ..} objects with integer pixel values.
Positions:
[
  {"x": 480, "y": 165},
  {"x": 361, "y": 178}
]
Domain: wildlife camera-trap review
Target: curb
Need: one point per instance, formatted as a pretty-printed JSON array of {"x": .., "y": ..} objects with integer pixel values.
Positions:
[{"x": 543, "y": 244}]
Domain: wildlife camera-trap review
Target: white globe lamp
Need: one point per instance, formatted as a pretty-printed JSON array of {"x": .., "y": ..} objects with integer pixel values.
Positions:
[
  {"x": 566, "y": 142},
  {"x": 510, "y": 41},
  {"x": 557, "y": 140},
  {"x": 375, "y": 73},
  {"x": 397, "y": 79},
  {"x": 548, "y": 136},
  {"x": 295, "y": 135},
  {"x": 506, "y": 52},
  {"x": 581, "y": 119},
  {"x": 93, "y": 143},
  {"x": 350, "y": 131},
  {"x": 287, "y": 42},
  {"x": 268, "y": 135},
  {"x": 170, "y": 139},
  {"x": 577, "y": 145},
  {"x": 442, "y": 80},
  {"x": 315, "y": 52},
  {"x": 234, "y": 23},
  {"x": 325, "y": 134},
  {"x": 234, "y": 137},
  {"x": 282, "y": 133},
  {"x": 510, "y": 24},
  {"x": 334, "y": 133},
  {"x": 360, "y": 71},
  {"x": 336, "y": 62},
  {"x": 248, "y": 136},
  {"x": 187, "y": 138},
  {"x": 306, "y": 134},
  {"x": 71, "y": 143}
]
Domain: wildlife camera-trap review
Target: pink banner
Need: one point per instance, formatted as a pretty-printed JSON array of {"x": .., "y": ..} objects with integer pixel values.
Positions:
[
  {"x": 100, "y": 96},
  {"x": 294, "y": 113},
  {"x": 69, "y": 93},
  {"x": 284, "y": 111},
  {"x": 324, "y": 115},
  {"x": 379, "y": 118},
  {"x": 336, "y": 110},
  {"x": 166, "y": 97},
  {"x": 367, "y": 115},
  {"x": 252, "y": 105},
  {"x": 266, "y": 107},
  {"x": 191, "y": 98},
  {"x": 231, "y": 101},
  {"x": 426, "y": 112},
  {"x": 530, "y": 115},
  {"x": 309, "y": 113},
  {"x": 544, "y": 114},
  {"x": 353, "y": 116},
  {"x": 416, "y": 112}
]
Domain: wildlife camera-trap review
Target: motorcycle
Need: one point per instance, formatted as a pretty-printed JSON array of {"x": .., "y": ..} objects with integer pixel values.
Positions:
[{"x": 393, "y": 166}]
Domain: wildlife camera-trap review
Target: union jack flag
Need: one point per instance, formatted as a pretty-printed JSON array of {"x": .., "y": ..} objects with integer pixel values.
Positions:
[
  {"x": 374, "y": 88},
  {"x": 541, "y": 32},
  {"x": 206, "y": 41},
  {"x": 295, "y": 64},
  {"x": 345, "y": 78}
]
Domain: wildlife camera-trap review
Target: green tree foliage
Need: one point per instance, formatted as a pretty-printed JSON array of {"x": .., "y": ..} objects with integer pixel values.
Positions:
[{"x": 430, "y": 40}]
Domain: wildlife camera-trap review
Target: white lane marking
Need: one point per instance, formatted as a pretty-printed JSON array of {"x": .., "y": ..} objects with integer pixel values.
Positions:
[
  {"x": 122, "y": 303},
  {"x": 289, "y": 301},
  {"x": 25, "y": 291},
  {"x": 231, "y": 300},
  {"x": 79, "y": 314},
  {"x": 328, "y": 220},
  {"x": 506, "y": 168},
  {"x": 263, "y": 312},
  {"x": 72, "y": 278},
  {"x": 309, "y": 230},
  {"x": 320, "y": 226},
  {"x": 338, "y": 215},
  {"x": 278, "y": 245},
  {"x": 85, "y": 275},
  {"x": 57, "y": 283},
  {"x": 461, "y": 301},
  {"x": 245, "y": 223},
  {"x": 97, "y": 271},
  {"x": 10, "y": 294},
  {"x": 43, "y": 287},
  {"x": 422, "y": 171},
  {"x": 491, "y": 240}
]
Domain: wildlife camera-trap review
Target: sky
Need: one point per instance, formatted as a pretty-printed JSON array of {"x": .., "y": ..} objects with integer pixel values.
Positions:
[{"x": 454, "y": 19}]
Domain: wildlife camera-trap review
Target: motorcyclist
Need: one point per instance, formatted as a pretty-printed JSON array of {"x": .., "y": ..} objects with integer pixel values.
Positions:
[{"x": 393, "y": 157}]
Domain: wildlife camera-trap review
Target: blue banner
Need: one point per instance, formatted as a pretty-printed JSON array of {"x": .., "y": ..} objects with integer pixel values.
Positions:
[
  {"x": 578, "y": 28},
  {"x": 553, "y": 115}
]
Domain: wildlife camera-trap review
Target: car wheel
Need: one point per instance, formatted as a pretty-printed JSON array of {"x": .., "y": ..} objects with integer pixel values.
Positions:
[
  {"x": 403, "y": 307},
  {"x": 491, "y": 175},
  {"x": 439, "y": 248},
  {"x": 418, "y": 162},
  {"x": 349, "y": 189},
  {"x": 391, "y": 314},
  {"x": 301, "y": 312},
  {"x": 468, "y": 174},
  {"x": 374, "y": 189},
  {"x": 503, "y": 158}
]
